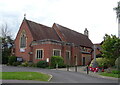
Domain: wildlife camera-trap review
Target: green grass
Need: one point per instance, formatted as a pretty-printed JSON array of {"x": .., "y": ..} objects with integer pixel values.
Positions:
[
  {"x": 25, "y": 76},
  {"x": 110, "y": 75}
]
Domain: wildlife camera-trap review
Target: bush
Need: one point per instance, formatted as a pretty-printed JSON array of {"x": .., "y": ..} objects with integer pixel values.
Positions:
[
  {"x": 42, "y": 64},
  {"x": 117, "y": 63},
  {"x": 16, "y": 63},
  {"x": 11, "y": 60},
  {"x": 116, "y": 72},
  {"x": 57, "y": 60},
  {"x": 32, "y": 65},
  {"x": 25, "y": 64}
]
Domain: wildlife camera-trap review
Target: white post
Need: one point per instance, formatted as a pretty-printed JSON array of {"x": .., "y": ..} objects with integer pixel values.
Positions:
[
  {"x": 118, "y": 14},
  {"x": 94, "y": 53},
  {"x": 119, "y": 25}
]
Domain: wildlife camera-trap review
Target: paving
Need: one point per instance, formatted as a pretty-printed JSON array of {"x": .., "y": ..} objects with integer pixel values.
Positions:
[
  {"x": 59, "y": 75},
  {"x": 82, "y": 69}
]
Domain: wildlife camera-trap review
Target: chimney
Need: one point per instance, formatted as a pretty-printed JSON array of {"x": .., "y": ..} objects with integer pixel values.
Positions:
[{"x": 86, "y": 32}]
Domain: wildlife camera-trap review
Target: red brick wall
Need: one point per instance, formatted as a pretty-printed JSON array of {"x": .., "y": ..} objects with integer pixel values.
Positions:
[
  {"x": 88, "y": 58},
  {"x": 48, "y": 51},
  {"x": 25, "y": 54}
]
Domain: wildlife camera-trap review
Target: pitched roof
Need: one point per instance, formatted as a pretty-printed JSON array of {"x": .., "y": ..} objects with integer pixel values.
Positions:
[
  {"x": 74, "y": 37},
  {"x": 40, "y": 32}
]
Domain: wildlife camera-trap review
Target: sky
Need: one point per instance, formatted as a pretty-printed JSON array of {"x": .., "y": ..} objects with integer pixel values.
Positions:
[{"x": 97, "y": 16}]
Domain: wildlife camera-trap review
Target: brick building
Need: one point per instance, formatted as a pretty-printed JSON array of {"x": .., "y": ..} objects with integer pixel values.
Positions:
[{"x": 35, "y": 42}]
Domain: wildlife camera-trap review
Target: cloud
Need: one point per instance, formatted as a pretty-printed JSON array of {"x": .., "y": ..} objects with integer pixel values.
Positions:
[{"x": 96, "y": 15}]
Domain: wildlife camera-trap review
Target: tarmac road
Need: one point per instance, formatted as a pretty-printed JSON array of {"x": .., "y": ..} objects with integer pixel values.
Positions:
[{"x": 58, "y": 76}]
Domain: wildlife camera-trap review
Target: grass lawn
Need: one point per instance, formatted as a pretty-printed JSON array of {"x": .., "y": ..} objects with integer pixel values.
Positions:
[
  {"x": 110, "y": 75},
  {"x": 25, "y": 76}
]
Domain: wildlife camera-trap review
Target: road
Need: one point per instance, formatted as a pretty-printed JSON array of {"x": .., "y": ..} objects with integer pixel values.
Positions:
[{"x": 60, "y": 76}]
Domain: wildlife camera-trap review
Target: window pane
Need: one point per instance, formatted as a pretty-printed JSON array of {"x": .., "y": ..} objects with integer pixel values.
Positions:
[
  {"x": 39, "y": 54},
  {"x": 56, "y": 53}
]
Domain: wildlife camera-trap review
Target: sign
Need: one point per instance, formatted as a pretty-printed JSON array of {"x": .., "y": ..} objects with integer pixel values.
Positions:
[
  {"x": 47, "y": 60},
  {"x": 19, "y": 59},
  {"x": 22, "y": 49}
]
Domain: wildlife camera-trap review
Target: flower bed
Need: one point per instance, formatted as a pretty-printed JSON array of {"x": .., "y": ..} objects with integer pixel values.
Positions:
[{"x": 97, "y": 69}]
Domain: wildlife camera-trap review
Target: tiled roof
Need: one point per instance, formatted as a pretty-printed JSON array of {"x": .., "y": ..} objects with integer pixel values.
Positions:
[
  {"x": 40, "y": 32},
  {"x": 74, "y": 37}
]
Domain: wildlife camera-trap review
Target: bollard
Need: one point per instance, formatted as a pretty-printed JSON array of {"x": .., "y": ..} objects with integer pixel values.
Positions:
[
  {"x": 67, "y": 67},
  {"x": 87, "y": 69},
  {"x": 56, "y": 66},
  {"x": 75, "y": 68}
]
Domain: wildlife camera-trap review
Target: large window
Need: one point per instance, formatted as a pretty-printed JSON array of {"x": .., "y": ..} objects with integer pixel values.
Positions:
[
  {"x": 23, "y": 40},
  {"x": 56, "y": 52},
  {"x": 39, "y": 54}
]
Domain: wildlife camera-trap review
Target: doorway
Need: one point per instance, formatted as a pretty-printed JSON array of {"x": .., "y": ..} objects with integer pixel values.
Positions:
[
  {"x": 75, "y": 60},
  {"x": 83, "y": 61}
]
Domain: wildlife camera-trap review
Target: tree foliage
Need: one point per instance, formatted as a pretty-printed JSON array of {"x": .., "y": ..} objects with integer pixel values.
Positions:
[
  {"x": 111, "y": 47},
  {"x": 57, "y": 60},
  {"x": 11, "y": 60},
  {"x": 6, "y": 43}
]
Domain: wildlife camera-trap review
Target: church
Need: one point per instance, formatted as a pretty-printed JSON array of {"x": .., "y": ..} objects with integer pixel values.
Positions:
[{"x": 36, "y": 42}]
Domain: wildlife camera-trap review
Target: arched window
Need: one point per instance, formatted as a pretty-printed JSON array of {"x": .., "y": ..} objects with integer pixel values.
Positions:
[{"x": 23, "y": 40}]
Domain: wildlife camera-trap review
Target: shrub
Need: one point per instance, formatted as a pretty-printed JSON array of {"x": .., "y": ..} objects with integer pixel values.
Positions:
[
  {"x": 117, "y": 63},
  {"x": 42, "y": 64},
  {"x": 57, "y": 60},
  {"x": 25, "y": 64},
  {"x": 32, "y": 65},
  {"x": 16, "y": 63},
  {"x": 11, "y": 60},
  {"x": 116, "y": 71}
]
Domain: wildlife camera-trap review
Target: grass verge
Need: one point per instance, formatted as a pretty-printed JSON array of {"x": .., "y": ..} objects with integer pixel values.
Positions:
[
  {"x": 110, "y": 75},
  {"x": 25, "y": 76}
]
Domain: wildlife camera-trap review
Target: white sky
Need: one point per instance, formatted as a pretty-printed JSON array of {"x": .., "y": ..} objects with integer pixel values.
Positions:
[{"x": 97, "y": 16}]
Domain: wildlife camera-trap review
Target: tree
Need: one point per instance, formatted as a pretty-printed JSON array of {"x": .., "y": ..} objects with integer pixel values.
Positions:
[
  {"x": 117, "y": 9},
  {"x": 111, "y": 47},
  {"x": 6, "y": 44},
  {"x": 57, "y": 61}
]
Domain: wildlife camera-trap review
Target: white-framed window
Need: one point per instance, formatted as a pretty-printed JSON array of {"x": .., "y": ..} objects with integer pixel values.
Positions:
[
  {"x": 68, "y": 55},
  {"x": 56, "y": 52},
  {"x": 39, "y": 53},
  {"x": 23, "y": 39}
]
